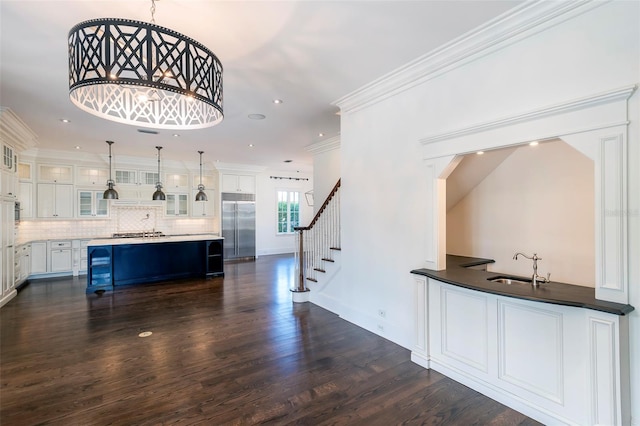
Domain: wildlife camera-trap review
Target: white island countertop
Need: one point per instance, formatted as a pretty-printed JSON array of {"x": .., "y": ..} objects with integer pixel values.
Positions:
[{"x": 152, "y": 240}]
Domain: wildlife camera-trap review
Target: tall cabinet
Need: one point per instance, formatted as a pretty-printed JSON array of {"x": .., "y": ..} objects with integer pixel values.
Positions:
[
  {"x": 7, "y": 252},
  {"x": 15, "y": 137}
]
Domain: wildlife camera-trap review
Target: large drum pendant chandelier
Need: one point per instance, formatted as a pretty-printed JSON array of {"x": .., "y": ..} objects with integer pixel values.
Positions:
[{"x": 145, "y": 75}]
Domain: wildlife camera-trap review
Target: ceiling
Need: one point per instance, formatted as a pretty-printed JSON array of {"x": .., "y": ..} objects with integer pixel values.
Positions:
[{"x": 306, "y": 53}]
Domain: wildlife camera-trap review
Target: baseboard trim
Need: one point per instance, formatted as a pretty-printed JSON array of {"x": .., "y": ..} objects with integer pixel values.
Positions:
[{"x": 502, "y": 396}]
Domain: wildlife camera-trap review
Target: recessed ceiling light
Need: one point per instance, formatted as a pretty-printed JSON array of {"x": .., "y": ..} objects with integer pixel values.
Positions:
[
  {"x": 250, "y": 145},
  {"x": 257, "y": 116},
  {"x": 534, "y": 143},
  {"x": 321, "y": 134},
  {"x": 175, "y": 135},
  {"x": 277, "y": 101},
  {"x": 65, "y": 120},
  {"x": 77, "y": 147},
  {"x": 480, "y": 152}
]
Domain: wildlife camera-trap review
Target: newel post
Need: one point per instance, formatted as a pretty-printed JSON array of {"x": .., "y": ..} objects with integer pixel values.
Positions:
[{"x": 300, "y": 292}]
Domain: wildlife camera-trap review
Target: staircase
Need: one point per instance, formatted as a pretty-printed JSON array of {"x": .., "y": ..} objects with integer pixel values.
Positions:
[{"x": 318, "y": 242}]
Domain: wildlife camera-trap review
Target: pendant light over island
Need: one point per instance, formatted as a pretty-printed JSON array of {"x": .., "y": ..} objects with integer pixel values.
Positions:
[
  {"x": 110, "y": 193},
  {"x": 159, "y": 195},
  {"x": 201, "y": 196}
]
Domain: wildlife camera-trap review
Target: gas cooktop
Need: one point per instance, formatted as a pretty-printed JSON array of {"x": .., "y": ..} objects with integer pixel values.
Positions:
[{"x": 144, "y": 234}]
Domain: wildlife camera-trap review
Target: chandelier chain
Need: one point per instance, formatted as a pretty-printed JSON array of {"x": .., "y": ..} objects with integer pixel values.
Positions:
[{"x": 153, "y": 11}]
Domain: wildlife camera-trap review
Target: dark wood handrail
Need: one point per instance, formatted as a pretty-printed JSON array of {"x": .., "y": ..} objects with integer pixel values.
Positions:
[{"x": 324, "y": 206}]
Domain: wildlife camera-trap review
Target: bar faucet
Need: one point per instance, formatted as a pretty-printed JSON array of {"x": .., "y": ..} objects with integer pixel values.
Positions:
[{"x": 535, "y": 279}]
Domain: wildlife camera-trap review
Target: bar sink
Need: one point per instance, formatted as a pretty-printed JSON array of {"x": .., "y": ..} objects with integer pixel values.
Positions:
[{"x": 503, "y": 279}]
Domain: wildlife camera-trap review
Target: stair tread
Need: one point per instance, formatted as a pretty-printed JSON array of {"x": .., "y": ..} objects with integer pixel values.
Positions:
[
  {"x": 328, "y": 260},
  {"x": 312, "y": 279},
  {"x": 319, "y": 270},
  {"x": 335, "y": 248}
]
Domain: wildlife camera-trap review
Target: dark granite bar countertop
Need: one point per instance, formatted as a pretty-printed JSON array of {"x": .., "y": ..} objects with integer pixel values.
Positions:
[{"x": 458, "y": 274}]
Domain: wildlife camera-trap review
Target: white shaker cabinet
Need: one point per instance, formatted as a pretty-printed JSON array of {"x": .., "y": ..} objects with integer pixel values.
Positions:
[
  {"x": 61, "y": 256},
  {"x": 55, "y": 200},
  {"x": 79, "y": 256},
  {"x": 8, "y": 185},
  {"x": 23, "y": 263},
  {"x": 7, "y": 251},
  {"x": 239, "y": 183},
  {"x": 25, "y": 196},
  {"x": 39, "y": 257},
  {"x": 558, "y": 364},
  {"x": 56, "y": 257},
  {"x": 202, "y": 208}
]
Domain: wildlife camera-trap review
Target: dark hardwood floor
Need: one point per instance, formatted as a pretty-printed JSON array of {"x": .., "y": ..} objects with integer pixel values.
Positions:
[{"x": 223, "y": 351}]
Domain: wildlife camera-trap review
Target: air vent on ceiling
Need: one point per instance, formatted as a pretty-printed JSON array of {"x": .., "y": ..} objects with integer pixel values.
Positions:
[{"x": 151, "y": 132}]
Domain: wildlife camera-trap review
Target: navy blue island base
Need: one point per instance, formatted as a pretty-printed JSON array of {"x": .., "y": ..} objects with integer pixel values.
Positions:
[{"x": 111, "y": 265}]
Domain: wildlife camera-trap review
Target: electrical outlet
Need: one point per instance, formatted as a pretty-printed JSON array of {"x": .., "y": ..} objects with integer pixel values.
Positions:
[{"x": 382, "y": 313}]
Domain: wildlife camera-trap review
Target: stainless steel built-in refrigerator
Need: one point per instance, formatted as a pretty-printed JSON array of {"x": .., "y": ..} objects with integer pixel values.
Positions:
[{"x": 239, "y": 225}]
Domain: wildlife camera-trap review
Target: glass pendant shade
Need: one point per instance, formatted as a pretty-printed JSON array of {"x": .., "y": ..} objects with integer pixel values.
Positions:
[
  {"x": 159, "y": 195},
  {"x": 201, "y": 196},
  {"x": 110, "y": 193}
]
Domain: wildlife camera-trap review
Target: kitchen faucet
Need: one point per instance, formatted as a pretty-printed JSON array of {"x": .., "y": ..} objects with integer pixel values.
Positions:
[{"x": 535, "y": 279}]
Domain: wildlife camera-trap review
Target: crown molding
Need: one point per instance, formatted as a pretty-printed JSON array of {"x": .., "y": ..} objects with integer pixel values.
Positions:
[
  {"x": 80, "y": 158},
  {"x": 43, "y": 155},
  {"x": 14, "y": 131},
  {"x": 516, "y": 24},
  {"x": 620, "y": 94},
  {"x": 324, "y": 146}
]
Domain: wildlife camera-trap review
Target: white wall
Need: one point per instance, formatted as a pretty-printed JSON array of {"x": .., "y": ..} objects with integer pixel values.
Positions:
[
  {"x": 539, "y": 200},
  {"x": 326, "y": 169},
  {"x": 267, "y": 239},
  {"x": 383, "y": 178}
]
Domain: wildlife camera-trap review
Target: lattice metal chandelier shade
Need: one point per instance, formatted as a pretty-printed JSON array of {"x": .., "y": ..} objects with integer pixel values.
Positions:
[{"x": 142, "y": 74}]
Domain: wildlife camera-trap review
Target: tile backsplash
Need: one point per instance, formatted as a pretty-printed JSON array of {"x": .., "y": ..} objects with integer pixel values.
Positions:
[{"x": 123, "y": 219}]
